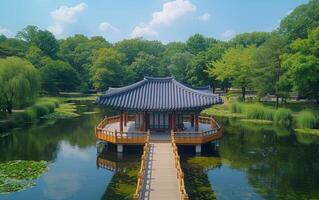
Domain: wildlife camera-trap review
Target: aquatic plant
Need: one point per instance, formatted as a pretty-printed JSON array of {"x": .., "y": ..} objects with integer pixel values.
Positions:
[
  {"x": 20, "y": 174},
  {"x": 283, "y": 116},
  {"x": 197, "y": 184},
  {"x": 306, "y": 119},
  {"x": 258, "y": 111},
  {"x": 122, "y": 185},
  {"x": 236, "y": 107}
]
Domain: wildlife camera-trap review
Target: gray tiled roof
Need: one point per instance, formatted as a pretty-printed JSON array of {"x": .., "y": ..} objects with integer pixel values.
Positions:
[{"x": 158, "y": 94}]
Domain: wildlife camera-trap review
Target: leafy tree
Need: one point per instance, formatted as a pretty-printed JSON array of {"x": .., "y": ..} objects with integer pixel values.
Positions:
[
  {"x": 145, "y": 65},
  {"x": 171, "y": 49},
  {"x": 180, "y": 63},
  {"x": 303, "y": 18},
  {"x": 19, "y": 83},
  {"x": 268, "y": 69},
  {"x": 197, "y": 73},
  {"x": 58, "y": 76},
  {"x": 235, "y": 66},
  {"x": 247, "y": 39},
  {"x": 302, "y": 65},
  {"x": 11, "y": 47},
  {"x": 34, "y": 55},
  {"x": 132, "y": 47},
  {"x": 198, "y": 43},
  {"x": 78, "y": 50},
  {"x": 107, "y": 68},
  {"x": 42, "y": 39}
]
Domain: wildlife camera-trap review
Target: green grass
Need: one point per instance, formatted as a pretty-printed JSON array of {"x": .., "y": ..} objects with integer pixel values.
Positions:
[
  {"x": 308, "y": 131},
  {"x": 306, "y": 119},
  {"x": 19, "y": 174},
  {"x": 257, "y": 121},
  {"x": 283, "y": 116},
  {"x": 64, "y": 111}
]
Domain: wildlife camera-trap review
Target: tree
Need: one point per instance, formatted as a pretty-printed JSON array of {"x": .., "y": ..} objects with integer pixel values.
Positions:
[
  {"x": 42, "y": 39},
  {"x": 235, "y": 66},
  {"x": 132, "y": 47},
  {"x": 107, "y": 68},
  {"x": 19, "y": 83},
  {"x": 247, "y": 39},
  {"x": 197, "y": 73},
  {"x": 145, "y": 65},
  {"x": 268, "y": 69},
  {"x": 58, "y": 76},
  {"x": 302, "y": 65},
  {"x": 11, "y": 47},
  {"x": 198, "y": 43},
  {"x": 180, "y": 64},
  {"x": 303, "y": 18}
]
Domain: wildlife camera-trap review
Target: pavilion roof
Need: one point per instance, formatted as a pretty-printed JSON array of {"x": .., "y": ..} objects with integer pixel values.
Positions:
[{"x": 158, "y": 94}]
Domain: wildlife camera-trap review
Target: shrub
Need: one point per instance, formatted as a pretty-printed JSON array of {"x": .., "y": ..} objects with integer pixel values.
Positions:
[
  {"x": 283, "y": 116},
  {"x": 27, "y": 116},
  {"x": 49, "y": 105},
  {"x": 236, "y": 107},
  {"x": 40, "y": 109},
  {"x": 306, "y": 119},
  {"x": 258, "y": 111}
]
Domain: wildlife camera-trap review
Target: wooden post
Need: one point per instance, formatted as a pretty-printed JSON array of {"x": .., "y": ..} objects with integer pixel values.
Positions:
[
  {"x": 174, "y": 122},
  {"x": 170, "y": 121},
  {"x": 121, "y": 122},
  {"x": 196, "y": 122},
  {"x": 125, "y": 118},
  {"x": 192, "y": 120}
]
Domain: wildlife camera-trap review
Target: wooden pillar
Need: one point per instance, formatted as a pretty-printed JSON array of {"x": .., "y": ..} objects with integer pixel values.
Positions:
[
  {"x": 192, "y": 120},
  {"x": 125, "y": 118},
  {"x": 169, "y": 121},
  {"x": 196, "y": 122},
  {"x": 174, "y": 122},
  {"x": 140, "y": 115},
  {"x": 121, "y": 122}
]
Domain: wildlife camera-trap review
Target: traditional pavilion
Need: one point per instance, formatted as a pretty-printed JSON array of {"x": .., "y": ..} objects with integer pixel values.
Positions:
[{"x": 158, "y": 105}]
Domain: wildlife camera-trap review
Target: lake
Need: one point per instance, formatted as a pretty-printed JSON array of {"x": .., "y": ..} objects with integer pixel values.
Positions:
[{"x": 257, "y": 161}]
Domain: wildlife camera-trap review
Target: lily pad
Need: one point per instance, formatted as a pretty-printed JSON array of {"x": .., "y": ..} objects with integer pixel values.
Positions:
[{"x": 20, "y": 174}]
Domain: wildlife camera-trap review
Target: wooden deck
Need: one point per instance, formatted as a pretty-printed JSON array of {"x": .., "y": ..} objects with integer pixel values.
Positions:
[{"x": 107, "y": 130}]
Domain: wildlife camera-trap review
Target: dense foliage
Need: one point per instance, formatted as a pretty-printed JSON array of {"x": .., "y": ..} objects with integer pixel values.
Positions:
[
  {"x": 279, "y": 63},
  {"x": 19, "y": 83}
]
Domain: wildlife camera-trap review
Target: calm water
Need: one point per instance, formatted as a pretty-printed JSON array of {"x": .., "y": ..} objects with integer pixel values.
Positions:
[
  {"x": 265, "y": 162},
  {"x": 69, "y": 146},
  {"x": 258, "y": 161}
]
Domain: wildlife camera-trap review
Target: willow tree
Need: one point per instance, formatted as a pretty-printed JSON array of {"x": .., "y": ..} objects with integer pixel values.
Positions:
[{"x": 19, "y": 83}]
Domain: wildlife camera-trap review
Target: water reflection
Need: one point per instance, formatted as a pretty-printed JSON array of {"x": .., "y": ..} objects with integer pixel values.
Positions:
[
  {"x": 263, "y": 161},
  {"x": 69, "y": 147}
]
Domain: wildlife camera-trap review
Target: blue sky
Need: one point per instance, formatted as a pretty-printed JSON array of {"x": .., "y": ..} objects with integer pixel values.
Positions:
[{"x": 164, "y": 20}]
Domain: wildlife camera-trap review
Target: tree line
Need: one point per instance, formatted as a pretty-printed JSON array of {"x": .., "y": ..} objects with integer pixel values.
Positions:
[{"x": 278, "y": 63}]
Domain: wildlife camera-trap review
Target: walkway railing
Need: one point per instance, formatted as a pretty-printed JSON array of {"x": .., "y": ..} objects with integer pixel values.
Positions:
[
  {"x": 118, "y": 137},
  {"x": 199, "y": 137},
  {"x": 141, "y": 173},
  {"x": 180, "y": 174}
]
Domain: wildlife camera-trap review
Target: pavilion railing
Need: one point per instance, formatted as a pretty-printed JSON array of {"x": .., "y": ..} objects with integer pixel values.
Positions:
[
  {"x": 197, "y": 137},
  {"x": 180, "y": 173},
  {"x": 132, "y": 136},
  {"x": 141, "y": 173}
]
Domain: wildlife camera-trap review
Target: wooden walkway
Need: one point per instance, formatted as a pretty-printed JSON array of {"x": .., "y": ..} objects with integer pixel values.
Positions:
[{"x": 160, "y": 181}]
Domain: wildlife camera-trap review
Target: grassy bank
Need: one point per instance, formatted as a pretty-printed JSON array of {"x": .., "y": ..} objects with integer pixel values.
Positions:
[
  {"x": 303, "y": 120},
  {"x": 45, "y": 108}
]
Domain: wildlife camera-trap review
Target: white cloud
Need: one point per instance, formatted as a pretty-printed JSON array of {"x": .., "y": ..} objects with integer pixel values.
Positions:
[
  {"x": 228, "y": 34},
  {"x": 5, "y": 31},
  {"x": 65, "y": 15},
  {"x": 205, "y": 17},
  {"x": 107, "y": 27},
  {"x": 170, "y": 12},
  {"x": 140, "y": 31}
]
